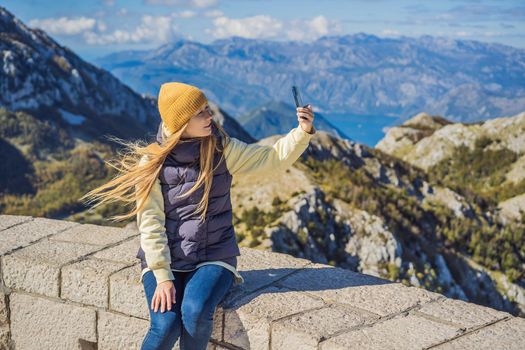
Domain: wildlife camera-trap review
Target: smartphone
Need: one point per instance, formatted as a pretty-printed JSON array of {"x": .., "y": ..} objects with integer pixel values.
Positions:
[{"x": 297, "y": 98}]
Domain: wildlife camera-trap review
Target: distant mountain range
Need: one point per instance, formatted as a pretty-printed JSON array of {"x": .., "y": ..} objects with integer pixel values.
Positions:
[{"x": 356, "y": 74}]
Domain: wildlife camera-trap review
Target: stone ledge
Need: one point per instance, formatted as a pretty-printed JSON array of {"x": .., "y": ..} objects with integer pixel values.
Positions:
[{"x": 68, "y": 285}]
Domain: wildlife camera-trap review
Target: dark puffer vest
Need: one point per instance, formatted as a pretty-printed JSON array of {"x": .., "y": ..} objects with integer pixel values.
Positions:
[{"x": 190, "y": 239}]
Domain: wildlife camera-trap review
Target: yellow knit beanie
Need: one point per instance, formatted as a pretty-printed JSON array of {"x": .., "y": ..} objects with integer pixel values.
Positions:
[{"x": 178, "y": 102}]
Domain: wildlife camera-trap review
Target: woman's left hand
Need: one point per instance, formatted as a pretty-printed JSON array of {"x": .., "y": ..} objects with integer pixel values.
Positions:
[{"x": 308, "y": 114}]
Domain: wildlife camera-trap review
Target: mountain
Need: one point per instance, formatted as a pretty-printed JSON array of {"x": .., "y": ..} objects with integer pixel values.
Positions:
[
  {"x": 486, "y": 157},
  {"x": 50, "y": 81},
  {"x": 230, "y": 124},
  {"x": 277, "y": 117},
  {"x": 358, "y": 208},
  {"x": 357, "y": 74}
]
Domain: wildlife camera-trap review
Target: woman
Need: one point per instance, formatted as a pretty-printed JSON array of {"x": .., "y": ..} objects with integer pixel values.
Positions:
[{"x": 180, "y": 188}]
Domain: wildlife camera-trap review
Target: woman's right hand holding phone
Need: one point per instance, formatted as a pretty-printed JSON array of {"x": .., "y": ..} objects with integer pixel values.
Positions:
[
  {"x": 305, "y": 116},
  {"x": 164, "y": 296}
]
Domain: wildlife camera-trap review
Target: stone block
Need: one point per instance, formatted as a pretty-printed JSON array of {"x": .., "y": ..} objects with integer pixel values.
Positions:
[
  {"x": 305, "y": 331},
  {"x": 405, "y": 331},
  {"x": 5, "y": 334},
  {"x": 7, "y": 221},
  {"x": 285, "y": 303},
  {"x": 126, "y": 293},
  {"x": 28, "y": 232},
  {"x": 36, "y": 268},
  {"x": 5, "y": 337},
  {"x": 218, "y": 317},
  {"x": 463, "y": 314},
  {"x": 41, "y": 323},
  {"x": 260, "y": 268},
  {"x": 366, "y": 292},
  {"x": 123, "y": 252},
  {"x": 4, "y": 317},
  {"x": 116, "y": 331},
  {"x": 93, "y": 234},
  {"x": 87, "y": 281},
  {"x": 247, "y": 323},
  {"x": 508, "y": 334}
]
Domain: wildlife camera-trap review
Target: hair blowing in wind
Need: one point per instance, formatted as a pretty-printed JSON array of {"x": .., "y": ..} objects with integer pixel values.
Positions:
[{"x": 138, "y": 166}]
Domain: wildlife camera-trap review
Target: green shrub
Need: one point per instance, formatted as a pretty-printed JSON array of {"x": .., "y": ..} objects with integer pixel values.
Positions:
[{"x": 478, "y": 172}]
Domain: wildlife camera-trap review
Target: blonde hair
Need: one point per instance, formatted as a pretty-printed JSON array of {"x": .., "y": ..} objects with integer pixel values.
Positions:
[{"x": 138, "y": 167}]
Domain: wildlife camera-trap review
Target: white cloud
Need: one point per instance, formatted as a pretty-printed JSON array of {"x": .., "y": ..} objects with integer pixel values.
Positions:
[
  {"x": 260, "y": 26},
  {"x": 300, "y": 29},
  {"x": 492, "y": 34},
  {"x": 266, "y": 27},
  {"x": 185, "y": 14},
  {"x": 64, "y": 25},
  {"x": 195, "y": 3},
  {"x": 152, "y": 29},
  {"x": 320, "y": 25},
  {"x": 390, "y": 32},
  {"x": 462, "y": 34},
  {"x": 213, "y": 13},
  {"x": 204, "y": 3}
]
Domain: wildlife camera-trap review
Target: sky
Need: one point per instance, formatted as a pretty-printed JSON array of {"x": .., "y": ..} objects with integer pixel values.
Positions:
[{"x": 96, "y": 28}]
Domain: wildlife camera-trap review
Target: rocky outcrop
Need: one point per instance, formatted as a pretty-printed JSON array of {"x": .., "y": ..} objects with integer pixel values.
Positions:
[
  {"x": 513, "y": 208},
  {"x": 425, "y": 140},
  {"x": 71, "y": 286},
  {"x": 375, "y": 246},
  {"x": 399, "y": 139}
]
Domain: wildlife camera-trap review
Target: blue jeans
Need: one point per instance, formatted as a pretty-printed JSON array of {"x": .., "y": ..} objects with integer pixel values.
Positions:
[{"x": 197, "y": 294}]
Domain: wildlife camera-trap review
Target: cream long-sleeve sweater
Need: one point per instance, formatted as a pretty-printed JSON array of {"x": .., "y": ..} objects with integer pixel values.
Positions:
[{"x": 241, "y": 159}]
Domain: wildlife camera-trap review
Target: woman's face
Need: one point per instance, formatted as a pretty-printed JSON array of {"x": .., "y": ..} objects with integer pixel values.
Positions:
[{"x": 200, "y": 124}]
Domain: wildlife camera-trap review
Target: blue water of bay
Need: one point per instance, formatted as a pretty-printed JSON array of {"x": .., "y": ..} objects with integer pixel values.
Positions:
[{"x": 366, "y": 129}]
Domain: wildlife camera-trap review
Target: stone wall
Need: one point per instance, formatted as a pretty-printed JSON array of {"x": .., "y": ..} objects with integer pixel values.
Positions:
[{"x": 72, "y": 286}]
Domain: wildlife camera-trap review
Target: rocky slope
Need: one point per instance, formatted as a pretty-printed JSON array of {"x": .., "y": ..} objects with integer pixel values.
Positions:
[
  {"x": 486, "y": 157},
  {"x": 351, "y": 206},
  {"x": 50, "y": 81}
]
